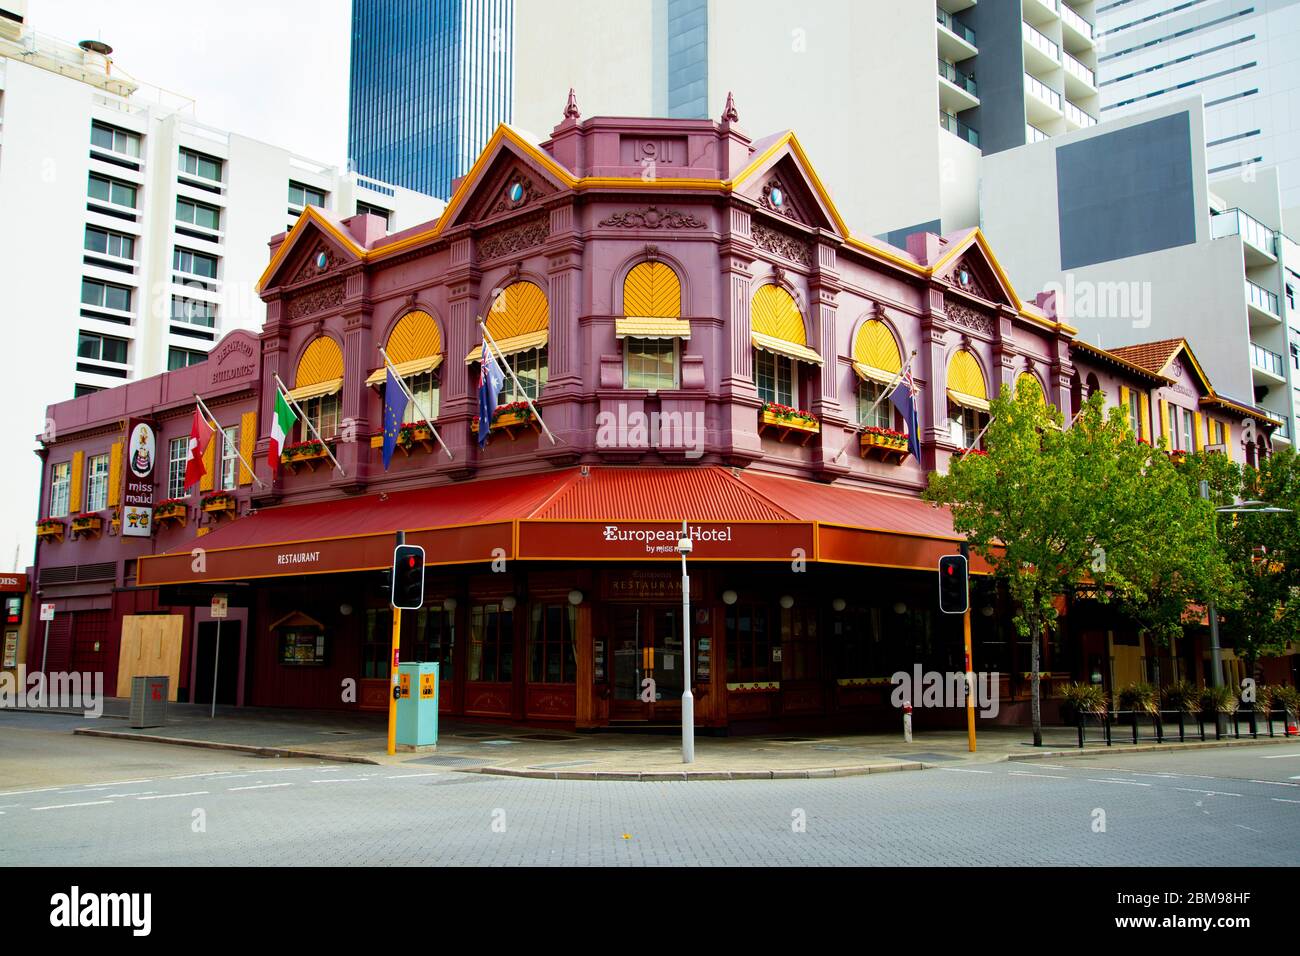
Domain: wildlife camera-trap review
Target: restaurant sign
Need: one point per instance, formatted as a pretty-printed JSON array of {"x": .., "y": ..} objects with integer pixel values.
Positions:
[{"x": 137, "y": 495}]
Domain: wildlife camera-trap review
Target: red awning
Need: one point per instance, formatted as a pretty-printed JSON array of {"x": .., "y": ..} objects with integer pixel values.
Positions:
[{"x": 596, "y": 514}]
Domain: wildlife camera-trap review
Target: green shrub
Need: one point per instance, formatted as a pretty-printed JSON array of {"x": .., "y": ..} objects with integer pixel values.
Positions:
[
  {"x": 1219, "y": 700},
  {"x": 1288, "y": 698},
  {"x": 1182, "y": 696},
  {"x": 1084, "y": 698},
  {"x": 1140, "y": 697}
]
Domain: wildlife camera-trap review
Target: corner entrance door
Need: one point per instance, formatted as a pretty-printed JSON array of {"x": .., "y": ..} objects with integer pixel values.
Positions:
[
  {"x": 649, "y": 663},
  {"x": 227, "y": 667}
]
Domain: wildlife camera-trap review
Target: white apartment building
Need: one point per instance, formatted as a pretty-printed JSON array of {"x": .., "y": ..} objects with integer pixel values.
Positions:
[
  {"x": 894, "y": 101},
  {"x": 1241, "y": 56},
  {"x": 133, "y": 234},
  {"x": 1124, "y": 222}
]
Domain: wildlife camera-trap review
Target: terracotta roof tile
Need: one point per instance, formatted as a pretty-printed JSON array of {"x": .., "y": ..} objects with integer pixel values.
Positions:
[{"x": 1153, "y": 356}]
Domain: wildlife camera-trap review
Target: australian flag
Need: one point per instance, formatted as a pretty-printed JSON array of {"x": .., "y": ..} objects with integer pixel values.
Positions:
[
  {"x": 903, "y": 398},
  {"x": 490, "y": 381},
  {"x": 394, "y": 406}
]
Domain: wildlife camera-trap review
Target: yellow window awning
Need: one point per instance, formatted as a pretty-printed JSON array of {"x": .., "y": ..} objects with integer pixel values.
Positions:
[
  {"x": 509, "y": 346},
  {"x": 642, "y": 327},
  {"x": 405, "y": 369},
  {"x": 770, "y": 343},
  {"x": 872, "y": 374},
  {"x": 327, "y": 387},
  {"x": 966, "y": 400}
]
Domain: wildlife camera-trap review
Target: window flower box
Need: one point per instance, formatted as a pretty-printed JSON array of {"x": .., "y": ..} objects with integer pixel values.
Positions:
[
  {"x": 755, "y": 687},
  {"x": 788, "y": 422},
  {"x": 49, "y": 529},
  {"x": 303, "y": 454},
  {"x": 410, "y": 435},
  {"x": 864, "y": 682},
  {"x": 173, "y": 509},
  {"x": 884, "y": 443},
  {"x": 510, "y": 418},
  {"x": 1178, "y": 456},
  {"x": 87, "y": 525},
  {"x": 963, "y": 452},
  {"x": 219, "y": 503}
]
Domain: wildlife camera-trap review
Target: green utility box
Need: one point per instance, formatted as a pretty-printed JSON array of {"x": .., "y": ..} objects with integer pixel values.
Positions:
[{"x": 417, "y": 706}]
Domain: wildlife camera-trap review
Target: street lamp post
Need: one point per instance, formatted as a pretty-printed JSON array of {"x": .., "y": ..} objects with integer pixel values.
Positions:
[
  {"x": 684, "y": 546},
  {"x": 1245, "y": 507}
]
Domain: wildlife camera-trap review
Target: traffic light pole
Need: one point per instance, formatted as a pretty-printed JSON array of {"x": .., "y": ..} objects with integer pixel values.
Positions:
[
  {"x": 397, "y": 644},
  {"x": 970, "y": 670}
]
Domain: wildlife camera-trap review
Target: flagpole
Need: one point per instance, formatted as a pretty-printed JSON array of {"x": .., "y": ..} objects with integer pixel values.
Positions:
[
  {"x": 280, "y": 386},
  {"x": 414, "y": 401},
  {"x": 226, "y": 442},
  {"x": 888, "y": 390},
  {"x": 487, "y": 337}
]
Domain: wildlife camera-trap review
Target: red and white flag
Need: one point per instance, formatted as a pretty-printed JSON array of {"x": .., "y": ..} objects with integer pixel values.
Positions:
[{"x": 200, "y": 435}]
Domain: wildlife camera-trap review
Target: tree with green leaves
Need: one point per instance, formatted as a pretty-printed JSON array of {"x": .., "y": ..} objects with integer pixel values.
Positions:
[{"x": 1049, "y": 508}]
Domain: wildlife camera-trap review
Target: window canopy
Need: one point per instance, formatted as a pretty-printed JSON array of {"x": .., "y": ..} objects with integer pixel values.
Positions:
[{"x": 776, "y": 325}]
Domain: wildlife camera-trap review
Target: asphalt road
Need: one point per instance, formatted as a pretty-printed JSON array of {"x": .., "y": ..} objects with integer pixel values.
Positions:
[{"x": 79, "y": 801}]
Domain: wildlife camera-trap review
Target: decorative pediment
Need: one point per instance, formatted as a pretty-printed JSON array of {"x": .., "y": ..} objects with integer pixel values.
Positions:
[
  {"x": 314, "y": 247},
  {"x": 785, "y": 185},
  {"x": 509, "y": 182},
  {"x": 973, "y": 272}
]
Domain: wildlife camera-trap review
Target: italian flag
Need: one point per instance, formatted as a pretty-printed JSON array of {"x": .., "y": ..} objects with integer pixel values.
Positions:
[{"x": 282, "y": 423}]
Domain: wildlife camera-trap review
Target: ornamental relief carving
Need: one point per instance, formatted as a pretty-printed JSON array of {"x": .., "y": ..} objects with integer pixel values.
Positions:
[
  {"x": 964, "y": 317},
  {"x": 515, "y": 239},
  {"x": 782, "y": 244},
  {"x": 315, "y": 300},
  {"x": 653, "y": 218},
  {"x": 775, "y": 198},
  {"x": 311, "y": 267}
]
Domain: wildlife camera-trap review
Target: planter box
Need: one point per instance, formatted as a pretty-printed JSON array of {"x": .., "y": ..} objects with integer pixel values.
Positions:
[
  {"x": 292, "y": 460},
  {"x": 219, "y": 507},
  {"x": 509, "y": 422},
  {"x": 176, "y": 511},
  {"x": 884, "y": 447},
  {"x": 87, "y": 526},
  {"x": 51, "y": 530},
  {"x": 800, "y": 429}
]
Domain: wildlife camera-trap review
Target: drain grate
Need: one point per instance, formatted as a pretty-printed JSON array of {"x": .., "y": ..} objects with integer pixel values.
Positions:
[
  {"x": 446, "y": 761},
  {"x": 791, "y": 740},
  {"x": 470, "y": 733},
  {"x": 561, "y": 765},
  {"x": 545, "y": 737},
  {"x": 923, "y": 756}
]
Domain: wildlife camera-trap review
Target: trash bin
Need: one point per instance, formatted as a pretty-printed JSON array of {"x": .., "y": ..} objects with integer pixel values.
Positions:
[{"x": 149, "y": 701}]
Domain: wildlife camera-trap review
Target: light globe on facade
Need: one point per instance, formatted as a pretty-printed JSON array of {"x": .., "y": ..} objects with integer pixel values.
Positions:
[
  {"x": 787, "y": 601},
  {"x": 449, "y": 604},
  {"x": 900, "y": 607},
  {"x": 575, "y": 597},
  {"x": 508, "y": 602},
  {"x": 839, "y": 604},
  {"x": 729, "y": 597}
]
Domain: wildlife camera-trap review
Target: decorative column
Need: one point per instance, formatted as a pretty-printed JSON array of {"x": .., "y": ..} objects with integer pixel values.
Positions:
[
  {"x": 274, "y": 361},
  {"x": 459, "y": 404},
  {"x": 737, "y": 394},
  {"x": 359, "y": 357}
]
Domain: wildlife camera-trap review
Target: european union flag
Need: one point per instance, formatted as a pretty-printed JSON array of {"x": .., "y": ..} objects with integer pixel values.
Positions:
[{"x": 394, "y": 406}]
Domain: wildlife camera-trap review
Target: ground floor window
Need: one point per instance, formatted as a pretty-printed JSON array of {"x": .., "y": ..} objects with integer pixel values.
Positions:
[
  {"x": 491, "y": 643},
  {"x": 800, "y": 657},
  {"x": 750, "y": 639},
  {"x": 551, "y": 644},
  {"x": 428, "y": 634}
]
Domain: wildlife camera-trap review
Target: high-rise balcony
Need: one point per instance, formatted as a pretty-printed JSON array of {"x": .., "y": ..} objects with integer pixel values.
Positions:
[
  {"x": 1041, "y": 53},
  {"x": 1267, "y": 365},
  {"x": 1080, "y": 80},
  {"x": 1259, "y": 241},
  {"x": 1263, "y": 304},
  {"x": 1035, "y": 135},
  {"x": 955, "y": 126},
  {"x": 1078, "y": 118},
  {"x": 1076, "y": 32},
  {"x": 956, "y": 40},
  {"x": 1042, "y": 103},
  {"x": 957, "y": 89}
]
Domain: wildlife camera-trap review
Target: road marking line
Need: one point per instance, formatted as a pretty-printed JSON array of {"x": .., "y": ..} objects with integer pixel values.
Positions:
[
  {"x": 16, "y": 793},
  {"x": 138, "y": 793},
  {"x": 1278, "y": 756},
  {"x": 64, "y": 806},
  {"x": 1283, "y": 800},
  {"x": 1277, "y": 783},
  {"x": 1026, "y": 773},
  {"x": 961, "y": 770},
  {"x": 403, "y": 776},
  {"x": 165, "y": 796},
  {"x": 342, "y": 780},
  {"x": 260, "y": 786},
  {"x": 1209, "y": 793},
  {"x": 1124, "y": 783},
  {"x": 1244, "y": 827}
]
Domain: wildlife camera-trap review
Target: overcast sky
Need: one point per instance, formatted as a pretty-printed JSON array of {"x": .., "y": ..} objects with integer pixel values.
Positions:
[{"x": 275, "y": 71}]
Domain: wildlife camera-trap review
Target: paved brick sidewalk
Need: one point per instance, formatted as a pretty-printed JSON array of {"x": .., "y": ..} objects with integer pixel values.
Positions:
[{"x": 563, "y": 754}]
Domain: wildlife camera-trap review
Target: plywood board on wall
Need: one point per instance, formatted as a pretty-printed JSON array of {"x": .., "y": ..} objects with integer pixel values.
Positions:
[{"x": 151, "y": 645}]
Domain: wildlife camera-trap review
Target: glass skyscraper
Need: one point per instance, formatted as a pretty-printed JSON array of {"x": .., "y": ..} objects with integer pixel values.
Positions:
[{"x": 430, "y": 81}]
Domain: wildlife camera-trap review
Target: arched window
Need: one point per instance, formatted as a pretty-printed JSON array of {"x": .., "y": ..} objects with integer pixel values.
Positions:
[
  {"x": 415, "y": 349},
  {"x": 968, "y": 404},
  {"x": 518, "y": 321},
  {"x": 316, "y": 386},
  {"x": 651, "y": 327},
  {"x": 877, "y": 361},
  {"x": 1033, "y": 380},
  {"x": 780, "y": 345}
]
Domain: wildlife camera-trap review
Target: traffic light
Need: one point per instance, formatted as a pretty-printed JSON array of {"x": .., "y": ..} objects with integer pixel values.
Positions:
[
  {"x": 954, "y": 590},
  {"x": 408, "y": 577}
]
